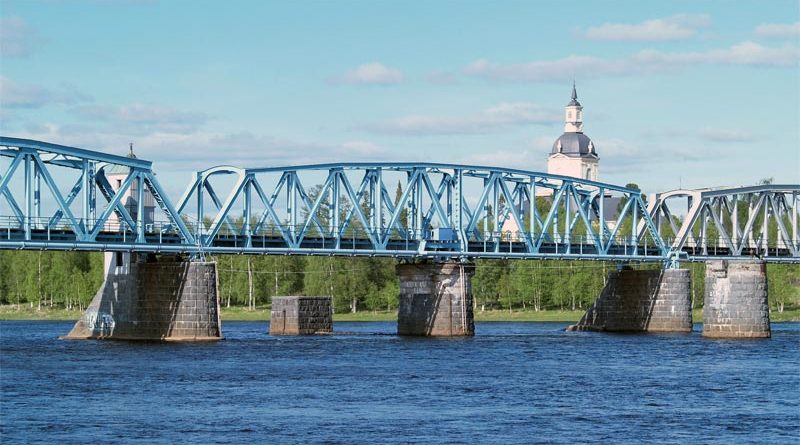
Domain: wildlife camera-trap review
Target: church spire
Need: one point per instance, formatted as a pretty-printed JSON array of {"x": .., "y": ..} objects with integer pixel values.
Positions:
[{"x": 573, "y": 116}]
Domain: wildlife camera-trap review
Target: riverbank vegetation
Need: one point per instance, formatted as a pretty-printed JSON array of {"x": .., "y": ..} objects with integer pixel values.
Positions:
[{"x": 508, "y": 289}]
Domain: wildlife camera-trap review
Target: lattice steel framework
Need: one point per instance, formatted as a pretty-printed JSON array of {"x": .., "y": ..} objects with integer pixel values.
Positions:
[
  {"x": 730, "y": 222},
  {"x": 439, "y": 210}
]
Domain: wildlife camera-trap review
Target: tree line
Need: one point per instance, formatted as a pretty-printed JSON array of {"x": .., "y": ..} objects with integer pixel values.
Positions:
[{"x": 70, "y": 280}]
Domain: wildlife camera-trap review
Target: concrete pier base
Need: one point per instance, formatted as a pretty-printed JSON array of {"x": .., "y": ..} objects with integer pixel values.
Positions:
[
  {"x": 436, "y": 299},
  {"x": 641, "y": 301},
  {"x": 147, "y": 299},
  {"x": 300, "y": 316},
  {"x": 735, "y": 303}
]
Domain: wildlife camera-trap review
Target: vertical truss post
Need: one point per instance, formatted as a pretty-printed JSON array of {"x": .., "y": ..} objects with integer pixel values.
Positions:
[
  {"x": 635, "y": 224},
  {"x": 795, "y": 211},
  {"x": 374, "y": 196},
  {"x": 532, "y": 209},
  {"x": 735, "y": 221},
  {"x": 418, "y": 212},
  {"x": 291, "y": 204},
  {"x": 567, "y": 215},
  {"x": 248, "y": 211},
  {"x": 378, "y": 193},
  {"x": 495, "y": 204},
  {"x": 86, "y": 185},
  {"x": 28, "y": 196},
  {"x": 37, "y": 195},
  {"x": 704, "y": 228},
  {"x": 458, "y": 210},
  {"x": 334, "y": 226},
  {"x": 200, "y": 229},
  {"x": 140, "y": 220},
  {"x": 601, "y": 217},
  {"x": 556, "y": 203},
  {"x": 765, "y": 226}
]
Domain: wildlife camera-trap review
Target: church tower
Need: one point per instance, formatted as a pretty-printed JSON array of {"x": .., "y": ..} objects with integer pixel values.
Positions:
[{"x": 573, "y": 153}]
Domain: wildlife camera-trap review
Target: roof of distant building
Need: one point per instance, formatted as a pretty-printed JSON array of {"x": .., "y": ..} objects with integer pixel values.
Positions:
[
  {"x": 574, "y": 144},
  {"x": 574, "y": 102},
  {"x": 117, "y": 169}
]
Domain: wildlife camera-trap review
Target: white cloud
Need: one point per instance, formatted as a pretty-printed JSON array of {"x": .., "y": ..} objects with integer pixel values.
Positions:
[
  {"x": 647, "y": 61},
  {"x": 720, "y": 135},
  {"x": 439, "y": 77},
  {"x": 676, "y": 27},
  {"x": 531, "y": 160},
  {"x": 493, "y": 118},
  {"x": 141, "y": 119},
  {"x": 16, "y": 38},
  {"x": 16, "y": 95},
  {"x": 783, "y": 30},
  {"x": 372, "y": 74},
  {"x": 180, "y": 152}
]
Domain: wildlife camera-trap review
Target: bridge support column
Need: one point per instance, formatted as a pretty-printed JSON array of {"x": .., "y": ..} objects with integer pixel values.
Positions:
[
  {"x": 735, "y": 303},
  {"x": 300, "y": 316},
  {"x": 144, "y": 298},
  {"x": 436, "y": 299},
  {"x": 641, "y": 301}
]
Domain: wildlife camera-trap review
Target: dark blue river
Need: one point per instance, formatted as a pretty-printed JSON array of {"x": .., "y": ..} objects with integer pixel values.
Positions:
[{"x": 511, "y": 383}]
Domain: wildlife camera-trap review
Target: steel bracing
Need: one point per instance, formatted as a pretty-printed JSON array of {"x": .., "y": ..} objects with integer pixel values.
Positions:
[
  {"x": 730, "y": 222},
  {"x": 95, "y": 201}
]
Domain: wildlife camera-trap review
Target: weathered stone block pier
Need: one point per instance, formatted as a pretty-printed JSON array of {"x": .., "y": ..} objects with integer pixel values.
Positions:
[
  {"x": 436, "y": 299},
  {"x": 735, "y": 304},
  {"x": 294, "y": 315},
  {"x": 641, "y": 301},
  {"x": 149, "y": 298}
]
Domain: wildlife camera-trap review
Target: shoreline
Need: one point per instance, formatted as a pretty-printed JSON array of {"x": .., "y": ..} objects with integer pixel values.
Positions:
[{"x": 25, "y": 312}]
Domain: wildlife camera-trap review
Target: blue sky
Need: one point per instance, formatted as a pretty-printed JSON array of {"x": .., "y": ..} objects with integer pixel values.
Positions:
[{"x": 675, "y": 93}]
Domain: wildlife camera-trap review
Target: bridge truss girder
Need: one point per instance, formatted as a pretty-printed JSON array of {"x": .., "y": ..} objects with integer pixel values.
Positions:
[
  {"x": 60, "y": 198},
  {"x": 436, "y": 210},
  {"x": 731, "y": 222}
]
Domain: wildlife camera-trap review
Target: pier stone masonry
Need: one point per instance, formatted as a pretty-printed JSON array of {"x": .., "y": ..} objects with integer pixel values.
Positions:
[
  {"x": 436, "y": 299},
  {"x": 735, "y": 303},
  {"x": 301, "y": 316},
  {"x": 144, "y": 298},
  {"x": 641, "y": 301}
]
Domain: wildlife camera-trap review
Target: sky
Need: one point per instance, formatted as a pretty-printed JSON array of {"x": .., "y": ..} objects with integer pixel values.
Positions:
[{"x": 676, "y": 94}]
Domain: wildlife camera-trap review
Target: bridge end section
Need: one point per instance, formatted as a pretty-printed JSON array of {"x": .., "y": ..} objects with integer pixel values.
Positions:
[
  {"x": 436, "y": 299},
  {"x": 641, "y": 301},
  {"x": 144, "y": 298},
  {"x": 735, "y": 302}
]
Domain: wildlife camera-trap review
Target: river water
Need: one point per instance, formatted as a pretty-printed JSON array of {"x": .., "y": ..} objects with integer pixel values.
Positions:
[{"x": 511, "y": 383}]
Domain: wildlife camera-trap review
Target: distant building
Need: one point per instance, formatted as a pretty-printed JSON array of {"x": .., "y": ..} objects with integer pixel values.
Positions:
[
  {"x": 574, "y": 153},
  {"x": 116, "y": 175}
]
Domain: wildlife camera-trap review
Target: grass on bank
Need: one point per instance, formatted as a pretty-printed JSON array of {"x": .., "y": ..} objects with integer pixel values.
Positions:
[{"x": 261, "y": 313}]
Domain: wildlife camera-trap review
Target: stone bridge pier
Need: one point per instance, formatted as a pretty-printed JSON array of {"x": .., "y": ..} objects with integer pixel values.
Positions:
[
  {"x": 735, "y": 302},
  {"x": 641, "y": 301},
  {"x": 436, "y": 299},
  {"x": 148, "y": 297}
]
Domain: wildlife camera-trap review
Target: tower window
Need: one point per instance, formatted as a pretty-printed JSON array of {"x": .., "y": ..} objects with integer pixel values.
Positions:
[{"x": 588, "y": 173}]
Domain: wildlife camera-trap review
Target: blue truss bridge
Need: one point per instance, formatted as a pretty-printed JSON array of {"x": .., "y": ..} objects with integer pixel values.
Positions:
[{"x": 55, "y": 197}]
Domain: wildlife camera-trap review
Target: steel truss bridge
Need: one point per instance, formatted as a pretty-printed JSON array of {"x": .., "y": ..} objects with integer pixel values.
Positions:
[{"x": 55, "y": 197}]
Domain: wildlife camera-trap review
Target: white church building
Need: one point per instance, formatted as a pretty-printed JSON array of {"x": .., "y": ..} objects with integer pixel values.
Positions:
[{"x": 573, "y": 154}]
